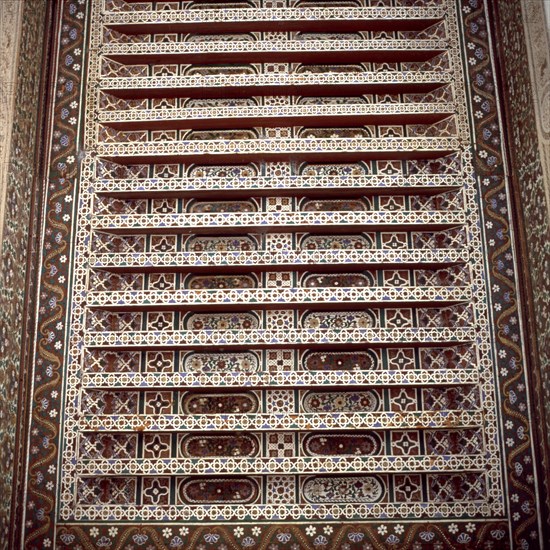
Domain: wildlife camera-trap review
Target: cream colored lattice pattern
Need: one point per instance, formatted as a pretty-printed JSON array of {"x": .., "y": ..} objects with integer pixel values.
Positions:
[{"x": 279, "y": 307}]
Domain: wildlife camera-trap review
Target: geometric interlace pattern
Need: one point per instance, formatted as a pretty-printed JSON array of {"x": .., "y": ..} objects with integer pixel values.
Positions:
[{"x": 279, "y": 303}]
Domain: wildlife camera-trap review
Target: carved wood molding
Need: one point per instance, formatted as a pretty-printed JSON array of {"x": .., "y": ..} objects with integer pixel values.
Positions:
[{"x": 10, "y": 31}]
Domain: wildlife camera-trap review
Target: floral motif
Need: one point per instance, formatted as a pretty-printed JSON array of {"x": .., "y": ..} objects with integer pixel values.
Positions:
[
  {"x": 220, "y": 244},
  {"x": 219, "y": 403},
  {"x": 331, "y": 242},
  {"x": 344, "y": 489},
  {"x": 357, "y": 401},
  {"x": 342, "y": 280},
  {"x": 342, "y": 444},
  {"x": 360, "y": 360},
  {"x": 222, "y": 206},
  {"x": 340, "y": 320},
  {"x": 211, "y": 491},
  {"x": 221, "y": 362},
  {"x": 221, "y": 321},
  {"x": 220, "y": 281},
  {"x": 219, "y": 445}
]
